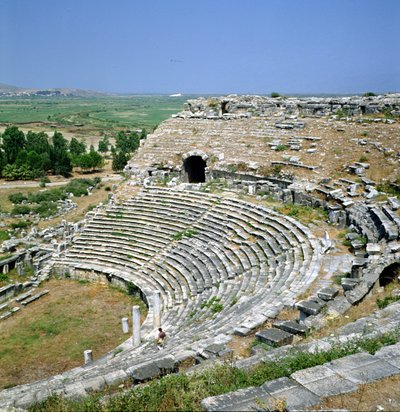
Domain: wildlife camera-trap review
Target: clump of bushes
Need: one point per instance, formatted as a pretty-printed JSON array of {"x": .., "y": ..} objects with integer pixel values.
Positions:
[
  {"x": 44, "y": 202},
  {"x": 21, "y": 210}
]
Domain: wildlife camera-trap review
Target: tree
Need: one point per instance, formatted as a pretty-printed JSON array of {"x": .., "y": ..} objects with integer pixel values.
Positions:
[
  {"x": 61, "y": 162},
  {"x": 127, "y": 143},
  {"x": 143, "y": 134},
  {"x": 13, "y": 142},
  {"x": 3, "y": 161},
  {"x": 119, "y": 160},
  {"x": 91, "y": 160},
  {"x": 37, "y": 142},
  {"x": 103, "y": 145},
  {"x": 76, "y": 147}
]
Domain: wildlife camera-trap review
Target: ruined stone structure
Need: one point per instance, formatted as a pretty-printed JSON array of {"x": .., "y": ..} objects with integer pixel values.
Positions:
[{"x": 219, "y": 266}]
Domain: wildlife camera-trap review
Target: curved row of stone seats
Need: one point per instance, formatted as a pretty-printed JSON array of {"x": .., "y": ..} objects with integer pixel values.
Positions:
[{"x": 238, "y": 268}]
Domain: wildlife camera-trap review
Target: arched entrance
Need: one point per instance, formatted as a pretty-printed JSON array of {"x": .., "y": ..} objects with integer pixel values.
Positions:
[
  {"x": 389, "y": 274},
  {"x": 195, "y": 167}
]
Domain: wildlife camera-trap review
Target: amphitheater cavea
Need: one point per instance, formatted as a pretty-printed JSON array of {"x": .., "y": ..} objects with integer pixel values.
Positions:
[{"x": 214, "y": 228}]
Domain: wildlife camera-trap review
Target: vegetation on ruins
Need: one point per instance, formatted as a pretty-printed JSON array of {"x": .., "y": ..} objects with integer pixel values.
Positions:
[
  {"x": 185, "y": 233},
  {"x": 44, "y": 203},
  {"x": 185, "y": 392}
]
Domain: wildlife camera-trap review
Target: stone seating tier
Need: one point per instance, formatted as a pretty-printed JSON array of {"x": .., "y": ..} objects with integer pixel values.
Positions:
[{"x": 240, "y": 266}]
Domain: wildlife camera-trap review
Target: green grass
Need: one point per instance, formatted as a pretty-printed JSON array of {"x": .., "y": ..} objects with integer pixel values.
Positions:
[
  {"x": 97, "y": 112},
  {"x": 185, "y": 392},
  {"x": 305, "y": 214},
  {"x": 382, "y": 303},
  {"x": 4, "y": 235},
  {"x": 185, "y": 233}
]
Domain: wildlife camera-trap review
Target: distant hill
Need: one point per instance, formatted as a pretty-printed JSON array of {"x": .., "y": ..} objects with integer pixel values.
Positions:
[{"x": 7, "y": 90}]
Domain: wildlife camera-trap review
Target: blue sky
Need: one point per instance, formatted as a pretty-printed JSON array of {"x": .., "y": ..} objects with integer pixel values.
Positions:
[{"x": 218, "y": 46}]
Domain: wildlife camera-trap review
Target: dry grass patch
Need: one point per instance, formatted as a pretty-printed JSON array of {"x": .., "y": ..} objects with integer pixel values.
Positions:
[
  {"x": 49, "y": 336},
  {"x": 382, "y": 395}
]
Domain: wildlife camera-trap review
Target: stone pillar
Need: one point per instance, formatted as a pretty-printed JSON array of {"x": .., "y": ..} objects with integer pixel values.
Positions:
[
  {"x": 6, "y": 269},
  {"x": 125, "y": 325},
  {"x": 252, "y": 190},
  {"x": 28, "y": 259},
  {"x": 20, "y": 268},
  {"x": 36, "y": 268},
  {"x": 156, "y": 310},
  {"x": 88, "y": 356},
  {"x": 135, "y": 326}
]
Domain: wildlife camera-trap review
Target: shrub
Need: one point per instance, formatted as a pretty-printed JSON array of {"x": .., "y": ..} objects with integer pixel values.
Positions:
[
  {"x": 382, "y": 303},
  {"x": 17, "y": 198},
  {"x": 281, "y": 147},
  {"x": 3, "y": 277},
  {"x": 47, "y": 196},
  {"x": 21, "y": 224},
  {"x": 4, "y": 235},
  {"x": 275, "y": 95},
  {"x": 21, "y": 210},
  {"x": 369, "y": 94},
  {"x": 45, "y": 209}
]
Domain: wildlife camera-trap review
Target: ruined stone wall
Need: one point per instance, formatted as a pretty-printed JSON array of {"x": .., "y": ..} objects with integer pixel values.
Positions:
[{"x": 246, "y": 106}]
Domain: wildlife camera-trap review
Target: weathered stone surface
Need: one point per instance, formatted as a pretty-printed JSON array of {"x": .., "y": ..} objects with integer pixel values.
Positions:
[
  {"x": 294, "y": 395},
  {"x": 144, "y": 371},
  {"x": 323, "y": 381},
  {"x": 274, "y": 337},
  {"x": 308, "y": 307},
  {"x": 115, "y": 377},
  {"x": 327, "y": 293},
  {"x": 390, "y": 354},
  {"x": 362, "y": 368},
  {"x": 94, "y": 384},
  {"x": 241, "y": 400},
  {"x": 291, "y": 327}
]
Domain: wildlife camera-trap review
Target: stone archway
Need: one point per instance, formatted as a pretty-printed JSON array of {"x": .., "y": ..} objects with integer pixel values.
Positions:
[
  {"x": 194, "y": 166},
  {"x": 389, "y": 274}
]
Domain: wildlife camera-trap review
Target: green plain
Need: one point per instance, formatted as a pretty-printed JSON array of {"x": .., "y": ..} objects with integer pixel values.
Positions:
[{"x": 132, "y": 111}]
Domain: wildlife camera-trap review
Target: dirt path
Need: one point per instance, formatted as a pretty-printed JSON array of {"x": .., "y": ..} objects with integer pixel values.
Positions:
[{"x": 34, "y": 183}]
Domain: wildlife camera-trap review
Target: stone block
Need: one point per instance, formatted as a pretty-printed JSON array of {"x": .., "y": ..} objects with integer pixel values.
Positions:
[
  {"x": 144, "y": 371},
  {"x": 115, "y": 377},
  {"x": 294, "y": 395},
  {"x": 94, "y": 384},
  {"x": 291, "y": 327},
  {"x": 323, "y": 381},
  {"x": 241, "y": 400},
  {"x": 167, "y": 364},
  {"x": 373, "y": 249},
  {"x": 308, "y": 307},
  {"x": 358, "y": 293},
  {"x": 349, "y": 283},
  {"x": 390, "y": 354},
  {"x": 327, "y": 293},
  {"x": 75, "y": 391},
  {"x": 275, "y": 337}
]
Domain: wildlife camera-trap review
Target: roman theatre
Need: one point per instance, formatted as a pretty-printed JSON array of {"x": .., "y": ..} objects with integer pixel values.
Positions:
[{"x": 199, "y": 229}]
